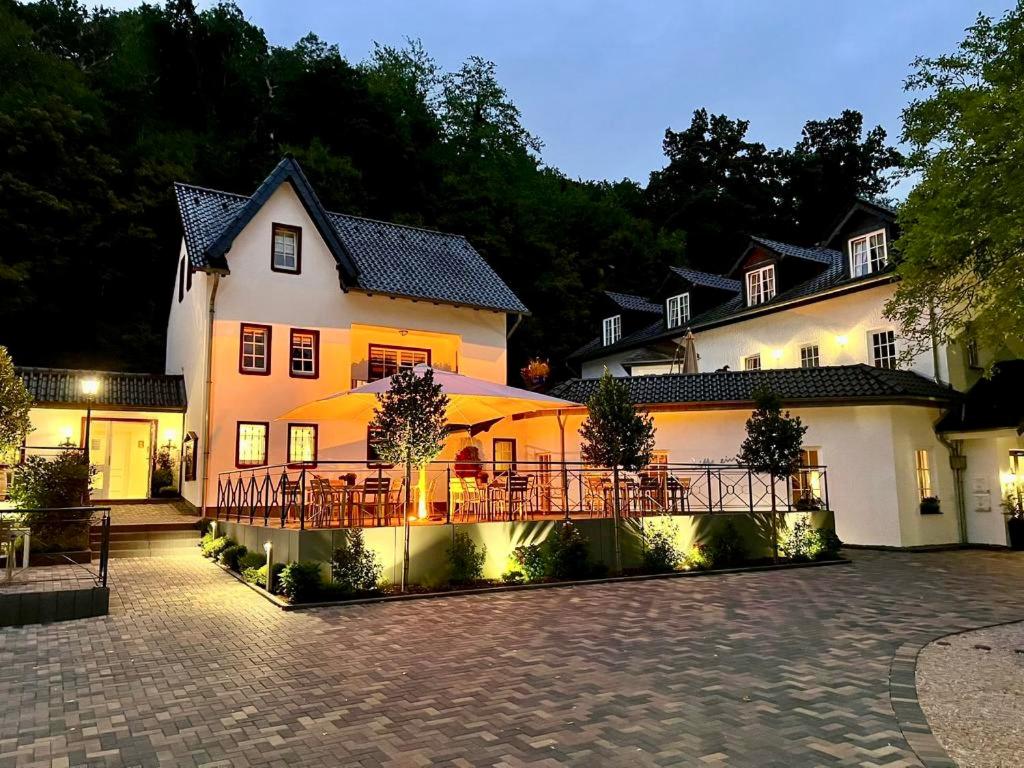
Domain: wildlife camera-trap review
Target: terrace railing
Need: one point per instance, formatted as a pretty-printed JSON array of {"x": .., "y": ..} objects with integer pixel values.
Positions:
[{"x": 340, "y": 494}]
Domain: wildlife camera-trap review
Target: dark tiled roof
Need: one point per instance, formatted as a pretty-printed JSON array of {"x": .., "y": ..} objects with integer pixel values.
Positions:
[
  {"x": 840, "y": 383},
  {"x": 993, "y": 403},
  {"x": 631, "y": 303},
  {"x": 373, "y": 255},
  {"x": 820, "y": 255},
  {"x": 708, "y": 280},
  {"x": 138, "y": 391}
]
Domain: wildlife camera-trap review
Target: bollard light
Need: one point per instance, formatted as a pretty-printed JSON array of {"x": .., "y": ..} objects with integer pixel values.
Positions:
[{"x": 270, "y": 574}]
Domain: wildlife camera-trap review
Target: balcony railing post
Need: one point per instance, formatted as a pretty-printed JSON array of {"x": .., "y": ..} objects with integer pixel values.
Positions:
[
  {"x": 710, "y": 503},
  {"x": 302, "y": 499},
  {"x": 824, "y": 480},
  {"x": 287, "y": 497},
  {"x": 615, "y": 521},
  {"x": 750, "y": 490},
  {"x": 448, "y": 486}
]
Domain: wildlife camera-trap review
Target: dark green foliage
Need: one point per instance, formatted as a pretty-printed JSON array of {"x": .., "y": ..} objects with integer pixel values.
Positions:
[
  {"x": 532, "y": 559},
  {"x": 512, "y": 577},
  {"x": 45, "y": 483},
  {"x": 109, "y": 107},
  {"x": 15, "y": 403},
  {"x": 465, "y": 561},
  {"x": 804, "y": 542},
  {"x": 567, "y": 554},
  {"x": 203, "y": 525},
  {"x": 615, "y": 433},
  {"x": 163, "y": 475},
  {"x": 354, "y": 567},
  {"x": 409, "y": 419},
  {"x": 231, "y": 556},
  {"x": 726, "y": 548},
  {"x": 258, "y": 576},
  {"x": 212, "y": 546},
  {"x": 251, "y": 560},
  {"x": 301, "y": 582},
  {"x": 660, "y": 554}
]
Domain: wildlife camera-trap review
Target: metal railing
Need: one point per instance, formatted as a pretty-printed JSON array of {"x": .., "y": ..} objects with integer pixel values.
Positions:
[
  {"x": 40, "y": 538},
  {"x": 340, "y": 494}
]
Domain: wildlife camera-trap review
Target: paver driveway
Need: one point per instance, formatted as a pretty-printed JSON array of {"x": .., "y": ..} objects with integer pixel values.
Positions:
[{"x": 766, "y": 669}]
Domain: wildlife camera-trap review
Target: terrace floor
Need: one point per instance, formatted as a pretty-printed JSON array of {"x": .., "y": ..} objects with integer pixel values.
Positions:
[{"x": 787, "y": 668}]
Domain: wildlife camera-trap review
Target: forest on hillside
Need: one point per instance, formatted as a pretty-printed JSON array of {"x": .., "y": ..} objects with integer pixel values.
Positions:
[{"x": 101, "y": 111}]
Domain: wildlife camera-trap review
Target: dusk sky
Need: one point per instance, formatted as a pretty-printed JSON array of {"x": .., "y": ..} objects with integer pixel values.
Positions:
[{"x": 599, "y": 81}]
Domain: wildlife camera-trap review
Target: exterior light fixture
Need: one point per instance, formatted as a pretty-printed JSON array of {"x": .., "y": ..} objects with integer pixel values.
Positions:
[
  {"x": 842, "y": 340},
  {"x": 90, "y": 386},
  {"x": 777, "y": 354},
  {"x": 270, "y": 566},
  {"x": 67, "y": 432}
]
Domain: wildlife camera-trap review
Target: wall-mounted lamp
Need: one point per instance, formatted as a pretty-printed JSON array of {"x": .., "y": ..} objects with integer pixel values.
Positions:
[
  {"x": 170, "y": 439},
  {"x": 842, "y": 340},
  {"x": 777, "y": 354},
  {"x": 66, "y": 433}
]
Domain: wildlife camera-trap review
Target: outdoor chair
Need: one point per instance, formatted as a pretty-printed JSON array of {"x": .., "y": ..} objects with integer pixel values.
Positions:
[
  {"x": 291, "y": 498},
  {"x": 321, "y": 502},
  {"x": 678, "y": 493},
  {"x": 383, "y": 502},
  {"x": 594, "y": 495},
  {"x": 518, "y": 496},
  {"x": 651, "y": 494}
]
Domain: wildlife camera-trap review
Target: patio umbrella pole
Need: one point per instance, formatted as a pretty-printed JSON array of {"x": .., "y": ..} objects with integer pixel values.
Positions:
[{"x": 405, "y": 521}]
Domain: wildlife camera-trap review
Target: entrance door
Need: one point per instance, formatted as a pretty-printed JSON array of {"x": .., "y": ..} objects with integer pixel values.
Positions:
[{"x": 120, "y": 451}]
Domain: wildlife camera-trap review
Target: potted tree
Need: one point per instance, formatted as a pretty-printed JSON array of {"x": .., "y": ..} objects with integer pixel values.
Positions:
[
  {"x": 772, "y": 446},
  {"x": 616, "y": 435}
]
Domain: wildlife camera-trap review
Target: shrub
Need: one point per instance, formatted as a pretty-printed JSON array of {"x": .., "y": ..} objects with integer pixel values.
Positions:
[
  {"x": 300, "y": 582},
  {"x": 803, "y": 542},
  {"x": 660, "y": 553},
  {"x": 354, "y": 568},
  {"x": 698, "y": 558},
  {"x": 533, "y": 561},
  {"x": 465, "y": 561},
  {"x": 258, "y": 576},
  {"x": 251, "y": 560},
  {"x": 567, "y": 552},
  {"x": 42, "y": 483},
  {"x": 726, "y": 548},
  {"x": 512, "y": 577},
  {"x": 212, "y": 547},
  {"x": 232, "y": 554}
]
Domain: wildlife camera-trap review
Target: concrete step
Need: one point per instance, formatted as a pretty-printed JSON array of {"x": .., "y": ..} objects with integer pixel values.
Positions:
[
  {"x": 148, "y": 544},
  {"x": 147, "y": 539},
  {"x": 147, "y": 535}
]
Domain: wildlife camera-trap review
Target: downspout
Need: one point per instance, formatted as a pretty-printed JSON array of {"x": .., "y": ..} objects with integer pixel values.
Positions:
[
  {"x": 519, "y": 319},
  {"x": 208, "y": 389},
  {"x": 957, "y": 463}
]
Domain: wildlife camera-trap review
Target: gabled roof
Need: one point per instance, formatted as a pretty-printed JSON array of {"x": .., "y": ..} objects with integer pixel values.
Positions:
[
  {"x": 993, "y": 403},
  {"x": 819, "y": 255},
  {"x": 826, "y": 385},
  {"x": 630, "y": 303},
  {"x": 373, "y": 256},
  {"x": 861, "y": 204},
  {"x": 708, "y": 280},
  {"x": 62, "y": 387}
]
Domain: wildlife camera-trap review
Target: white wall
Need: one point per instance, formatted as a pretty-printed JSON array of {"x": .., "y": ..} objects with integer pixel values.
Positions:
[
  {"x": 853, "y": 316},
  {"x": 987, "y": 481}
]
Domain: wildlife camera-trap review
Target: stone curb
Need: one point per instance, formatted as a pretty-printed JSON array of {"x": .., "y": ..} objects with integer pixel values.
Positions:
[{"x": 286, "y": 606}]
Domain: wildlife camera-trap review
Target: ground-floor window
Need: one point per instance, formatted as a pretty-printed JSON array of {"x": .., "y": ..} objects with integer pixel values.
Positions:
[
  {"x": 188, "y": 456},
  {"x": 302, "y": 445},
  {"x": 807, "y": 479},
  {"x": 923, "y": 471},
  {"x": 251, "y": 444}
]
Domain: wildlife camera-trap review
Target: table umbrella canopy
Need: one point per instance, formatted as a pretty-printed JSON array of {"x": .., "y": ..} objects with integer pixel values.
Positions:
[
  {"x": 470, "y": 401},
  {"x": 690, "y": 355}
]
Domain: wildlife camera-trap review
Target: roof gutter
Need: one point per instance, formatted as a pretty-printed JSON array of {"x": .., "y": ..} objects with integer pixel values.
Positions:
[{"x": 519, "y": 319}]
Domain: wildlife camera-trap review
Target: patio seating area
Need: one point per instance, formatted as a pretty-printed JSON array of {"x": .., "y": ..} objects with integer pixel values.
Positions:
[{"x": 361, "y": 494}]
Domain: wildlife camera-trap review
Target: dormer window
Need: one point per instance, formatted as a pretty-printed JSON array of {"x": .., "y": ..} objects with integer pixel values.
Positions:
[
  {"x": 760, "y": 285},
  {"x": 677, "y": 310},
  {"x": 868, "y": 253},
  {"x": 612, "y": 330},
  {"x": 286, "y": 249}
]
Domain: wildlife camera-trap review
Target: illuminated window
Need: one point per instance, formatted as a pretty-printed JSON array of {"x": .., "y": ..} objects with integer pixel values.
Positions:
[
  {"x": 760, "y": 285},
  {"x": 809, "y": 356},
  {"x": 251, "y": 445},
  {"x": 387, "y": 361},
  {"x": 305, "y": 353},
  {"x": 611, "y": 330},
  {"x": 868, "y": 254},
  {"x": 807, "y": 480},
  {"x": 254, "y": 354},
  {"x": 286, "y": 253},
  {"x": 302, "y": 444},
  {"x": 923, "y": 470},
  {"x": 752, "y": 363},
  {"x": 677, "y": 310},
  {"x": 504, "y": 455},
  {"x": 883, "y": 349}
]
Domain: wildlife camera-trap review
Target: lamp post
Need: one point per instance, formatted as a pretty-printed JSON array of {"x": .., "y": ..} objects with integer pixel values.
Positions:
[{"x": 90, "y": 387}]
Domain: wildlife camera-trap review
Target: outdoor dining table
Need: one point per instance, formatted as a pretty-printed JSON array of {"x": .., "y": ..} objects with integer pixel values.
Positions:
[{"x": 345, "y": 496}]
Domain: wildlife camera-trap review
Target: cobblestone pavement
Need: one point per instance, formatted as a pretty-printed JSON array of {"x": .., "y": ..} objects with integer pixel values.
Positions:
[
  {"x": 766, "y": 669},
  {"x": 972, "y": 690},
  {"x": 152, "y": 512}
]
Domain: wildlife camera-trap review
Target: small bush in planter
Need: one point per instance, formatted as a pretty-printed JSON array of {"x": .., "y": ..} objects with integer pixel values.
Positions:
[
  {"x": 251, "y": 560},
  {"x": 465, "y": 561},
  {"x": 726, "y": 548},
  {"x": 212, "y": 547},
  {"x": 930, "y": 505},
  {"x": 354, "y": 567},
  {"x": 532, "y": 561},
  {"x": 660, "y": 553},
  {"x": 567, "y": 552},
  {"x": 231, "y": 555},
  {"x": 512, "y": 577},
  {"x": 698, "y": 558},
  {"x": 258, "y": 576},
  {"x": 809, "y": 504},
  {"x": 300, "y": 582},
  {"x": 803, "y": 542}
]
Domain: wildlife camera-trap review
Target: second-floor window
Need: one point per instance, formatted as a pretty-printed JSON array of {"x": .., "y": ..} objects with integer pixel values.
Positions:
[
  {"x": 286, "y": 249},
  {"x": 809, "y": 356},
  {"x": 677, "y": 310},
  {"x": 254, "y": 354},
  {"x": 883, "y": 349},
  {"x": 868, "y": 254},
  {"x": 752, "y": 363},
  {"x": 760, "y": 285},
  {"x": 611, "y": 330},
  {"x": 923, "y": 472},
  {"x": 305, "y": 354},
  {"x": 386, "y": 361},
  {"x": 251, "y": 443}
]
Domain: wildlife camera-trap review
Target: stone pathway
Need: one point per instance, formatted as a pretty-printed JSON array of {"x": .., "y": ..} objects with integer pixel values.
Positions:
[
  {"x": 971, "y": 688},
  {"x": 152, "y": 513},
  {"x": 776, "y": 669}
]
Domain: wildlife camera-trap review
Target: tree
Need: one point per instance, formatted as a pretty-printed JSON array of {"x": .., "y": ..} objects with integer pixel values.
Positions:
[
  {"x": 960, "y": 258},
  {"x": 617, "y": 435},
  {"x": 409, "y": 428},
  {"x": 772, "y": 446},
  {"x": 15, "y": 403}
]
